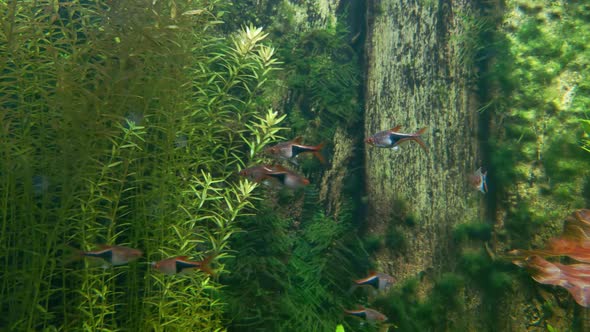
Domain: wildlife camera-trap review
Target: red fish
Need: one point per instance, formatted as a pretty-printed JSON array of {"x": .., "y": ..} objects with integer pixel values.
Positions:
[
  {"x": 369, "y": 315},
  {"x": 114, "y": 255},
  {"x": 392, "y": 138},
  {"x": 380, "y": 281},
  {"x": 181, "y": 265},
  {"x": 257, "y": 173},
  {"x": 478, "y": 180},
  {"x": 278, "y": 173},
  {"x": 291, "y": 149},
  {"x": 287, "y": 177}
]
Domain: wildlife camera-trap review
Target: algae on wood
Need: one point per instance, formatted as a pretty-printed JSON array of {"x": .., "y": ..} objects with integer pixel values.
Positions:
[{"x": 418, "y": 76}]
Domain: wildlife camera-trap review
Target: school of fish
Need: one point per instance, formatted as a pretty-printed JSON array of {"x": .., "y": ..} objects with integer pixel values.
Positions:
[{"x": 276, "y": 174}]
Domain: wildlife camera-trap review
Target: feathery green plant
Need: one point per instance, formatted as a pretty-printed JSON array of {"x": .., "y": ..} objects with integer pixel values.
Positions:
[
  {"x": 123, "y": 124},
  {"x": 323, "y": 73},
  {"x": 291, "y": 271}
]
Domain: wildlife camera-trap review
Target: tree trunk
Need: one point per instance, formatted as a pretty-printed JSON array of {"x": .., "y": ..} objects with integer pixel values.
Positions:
[{"x": 418, "y": 76}]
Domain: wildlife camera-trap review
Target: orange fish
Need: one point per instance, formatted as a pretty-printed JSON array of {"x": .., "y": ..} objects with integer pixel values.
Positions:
[
  {"x": 114, "y": 255},
  {"x": 291, "y": 149},
  {"x": 181, "y": 265},
  {"x": 392, "y": 138}
]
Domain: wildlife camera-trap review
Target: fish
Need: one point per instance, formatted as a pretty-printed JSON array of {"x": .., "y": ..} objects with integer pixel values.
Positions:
[
  {"x": 392, "y": 138},
  {"x": 478, "y": 180},
  {"x": 114, "y": 255},
  {"x": 287, "y": 177},
  {"x": 369, "y": 315},
  {"x": 280, "y": 174},
  {"x": 256, "y": 173},
  {"x": 181, "y": 265},
  {"x": 379, "y": 281},
  {"x": 293, "y": 148}
]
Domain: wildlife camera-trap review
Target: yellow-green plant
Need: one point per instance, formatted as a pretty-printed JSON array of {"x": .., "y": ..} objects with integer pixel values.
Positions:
[{"x": 123, "y": 123}]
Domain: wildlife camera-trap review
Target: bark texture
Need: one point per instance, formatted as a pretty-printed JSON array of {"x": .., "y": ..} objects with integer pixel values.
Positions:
[{"x": 418, "y": 76}]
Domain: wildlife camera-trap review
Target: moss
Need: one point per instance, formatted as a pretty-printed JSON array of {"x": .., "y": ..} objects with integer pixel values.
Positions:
[
  {"x": 473, "y": 231},
  {"x": 521, "y": 224},
  {"x": 372, "y": 243},
  {"x": 503, "y": 161},
  {"x": 311, "y": 268},
  {"x": 411, "y": 313},
  {"x": 500, "y": 281},
  {"x": 448, "y": 288},
  {"x": 492, "y": 277},
  {"x": 395, "y": 238}
]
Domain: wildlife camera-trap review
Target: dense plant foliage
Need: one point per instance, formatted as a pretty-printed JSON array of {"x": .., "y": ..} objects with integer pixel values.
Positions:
[
  {"x": 123, "y": 123},
  {"x": 291, "y": 272},
  {"x": 540, "y": 98}
]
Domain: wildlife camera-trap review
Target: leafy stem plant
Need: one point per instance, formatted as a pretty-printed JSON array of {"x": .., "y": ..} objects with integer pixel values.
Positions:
[{"x": 122, "y": 125}]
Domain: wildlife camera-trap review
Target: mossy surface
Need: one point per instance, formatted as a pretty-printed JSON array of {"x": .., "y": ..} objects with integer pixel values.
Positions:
[
  {"x": 538, "y": 164},
  {"x": 538, "y": 172}
]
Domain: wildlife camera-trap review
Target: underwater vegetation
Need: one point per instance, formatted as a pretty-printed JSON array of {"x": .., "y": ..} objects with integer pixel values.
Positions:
[
  {"x": 533, "y": 78},
  {"x": 542, "y": 59},
  {"x": 123, "y": 123},
  {"x": 574, "y": 242},
  {"x": 290, "y": 271}
]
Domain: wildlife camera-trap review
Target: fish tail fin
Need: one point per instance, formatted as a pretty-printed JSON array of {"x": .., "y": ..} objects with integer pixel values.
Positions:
[
  {"x": 416, "y": 137},
  {"x": 205, "y": 265},
  {"x": 72, "y": 255},
  {"x": 421, "y": 142},
  {"x": 352, "y": 289},
  {"x": 318, "y": 154}
]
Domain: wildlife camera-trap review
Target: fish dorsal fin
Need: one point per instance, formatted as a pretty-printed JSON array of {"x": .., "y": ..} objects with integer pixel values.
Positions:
[
  {"x": 297, "y": 140},
  {"x": 395, "y": 129},
  {"x": 268, "y": 169}
]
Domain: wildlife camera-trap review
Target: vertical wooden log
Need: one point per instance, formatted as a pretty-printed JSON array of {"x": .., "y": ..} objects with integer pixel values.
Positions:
[{"x": 418, "y": 76}]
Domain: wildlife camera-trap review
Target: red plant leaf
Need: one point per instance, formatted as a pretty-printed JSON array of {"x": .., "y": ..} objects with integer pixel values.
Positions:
[{"x": 574, "y": 278}]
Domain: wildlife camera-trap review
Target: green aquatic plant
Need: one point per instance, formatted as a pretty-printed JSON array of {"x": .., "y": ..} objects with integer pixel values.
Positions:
[
  {"x": 539, "y": 99},
  {"x": 297, "y": 269},
  {"x": 470, "y": 39},
  {"x": 490, "y": 276},
  {"x": 322, "y": 71},
  {"x": 395, "y": 238},
  {"x": 412, "y": 312},
  {"x": 122, "y": 125},
  {"x": 473, "y": 231},
  {"x": 586, "y": 139},
  {"x": 102, "y": 220}
]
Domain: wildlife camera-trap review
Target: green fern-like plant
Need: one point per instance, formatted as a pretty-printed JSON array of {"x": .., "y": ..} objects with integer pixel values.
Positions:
[{"x": 292, "y": 267}]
